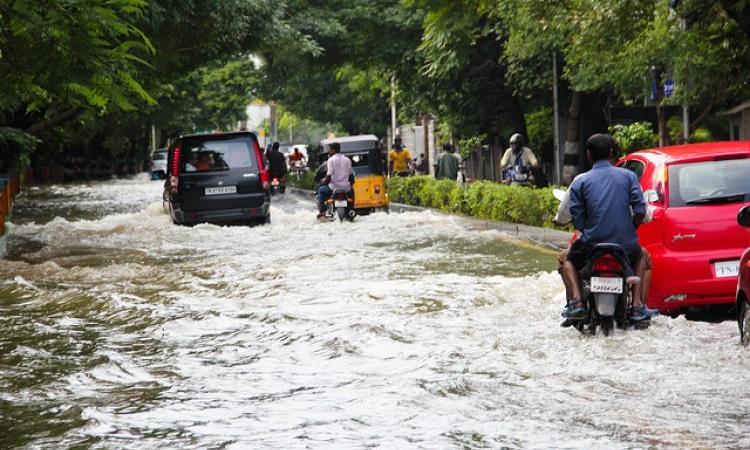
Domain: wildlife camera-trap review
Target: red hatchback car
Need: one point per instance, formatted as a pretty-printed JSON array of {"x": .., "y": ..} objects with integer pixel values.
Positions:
[
  {"x": 743, "y": 284},
  {"x": 694, "y": 239}
]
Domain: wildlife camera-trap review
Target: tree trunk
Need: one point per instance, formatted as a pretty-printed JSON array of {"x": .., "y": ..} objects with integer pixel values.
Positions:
[{"x": 572, "y": 139}]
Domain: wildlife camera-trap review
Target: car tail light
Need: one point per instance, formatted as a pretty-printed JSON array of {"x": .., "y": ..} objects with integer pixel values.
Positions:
[
  {"x": 377, "y": 189},
  {"x": 261, "y": 167},
  {"x": 606, "y": 263},
  {"x": 174, "y": 179}
]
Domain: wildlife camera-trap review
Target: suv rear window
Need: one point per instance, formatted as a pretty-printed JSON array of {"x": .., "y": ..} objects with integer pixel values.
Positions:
[
  {"x": 709, "y": 182},
  {"x": 217, "y": 155}
]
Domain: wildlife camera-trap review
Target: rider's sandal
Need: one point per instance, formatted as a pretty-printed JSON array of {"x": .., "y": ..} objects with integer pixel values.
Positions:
[{"x": 574, "y": 310}]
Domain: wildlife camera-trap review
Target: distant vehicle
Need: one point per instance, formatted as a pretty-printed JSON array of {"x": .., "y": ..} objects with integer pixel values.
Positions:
[
  {"x": 743, "y": 284},
  {"x": 217, "y": 178},
  {"x": 158, "y": 164},
  {"x": 694, "y": 192},
  {"x": 370, "y": 192}
]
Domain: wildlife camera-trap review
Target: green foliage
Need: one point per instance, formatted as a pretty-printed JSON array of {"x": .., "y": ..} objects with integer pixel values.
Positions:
[
  {"x": 635, "y": 136},
  {"x": 303, "y": 182},
  {"x": 471, "y": 144},
  {"x": 482, "y": 199},
  {"x": 540, "y": 127},
  {"x": 675, "y": 131}
]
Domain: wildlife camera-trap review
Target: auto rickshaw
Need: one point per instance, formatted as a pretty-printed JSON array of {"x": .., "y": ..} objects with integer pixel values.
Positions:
[{"x": 370, "y": 192}]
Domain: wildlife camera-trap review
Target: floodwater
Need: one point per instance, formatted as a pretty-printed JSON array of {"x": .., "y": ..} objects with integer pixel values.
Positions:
[{"x": 121, "y": 330}]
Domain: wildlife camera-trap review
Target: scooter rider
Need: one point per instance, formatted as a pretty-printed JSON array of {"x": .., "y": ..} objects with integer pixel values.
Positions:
[
  {"x": 339, "y": 175},
  {"x": 601, "y": 201},
  {"x": 517, "y": 163}
]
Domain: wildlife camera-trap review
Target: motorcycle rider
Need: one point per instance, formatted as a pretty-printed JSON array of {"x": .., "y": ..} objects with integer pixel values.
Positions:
[
  {"x": 277, "y": 166},
  {"x": 601, "y": 201},
  {"x": 339, "y": 175},
  {"x": 517, "y": 163}
]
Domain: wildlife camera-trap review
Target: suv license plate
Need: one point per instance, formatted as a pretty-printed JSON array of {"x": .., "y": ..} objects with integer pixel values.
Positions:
[
  {"x": 339, "y": 203},
  {"x": 727, "y": 269},
  {"x": 606, "y": 285},
  {"x": 221, "y": 190}
]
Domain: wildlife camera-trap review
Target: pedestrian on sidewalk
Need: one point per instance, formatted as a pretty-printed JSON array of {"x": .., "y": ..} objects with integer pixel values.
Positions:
[
  {"x": 399, "y": 159},
  {"x": 447, "y": 164}
]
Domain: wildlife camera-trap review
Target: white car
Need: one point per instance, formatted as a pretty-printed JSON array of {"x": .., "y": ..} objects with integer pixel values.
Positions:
[{"x": 158, "y": 164}]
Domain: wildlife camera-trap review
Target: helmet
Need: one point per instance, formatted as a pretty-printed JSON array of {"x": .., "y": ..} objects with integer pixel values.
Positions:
[{"x": 516, "y": 139}]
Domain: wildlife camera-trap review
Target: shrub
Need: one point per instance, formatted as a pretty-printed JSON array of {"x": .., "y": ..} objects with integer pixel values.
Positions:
[
  {"x": 482, "y": 199},
  {"x": 304, "y": 182},
  {"x": 635, "y": 136}
]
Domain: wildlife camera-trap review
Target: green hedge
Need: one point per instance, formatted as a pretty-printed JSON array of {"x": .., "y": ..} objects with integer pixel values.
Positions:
[
  {"x": 483, "y": 199},
  {"x": 304, "y": 182}
]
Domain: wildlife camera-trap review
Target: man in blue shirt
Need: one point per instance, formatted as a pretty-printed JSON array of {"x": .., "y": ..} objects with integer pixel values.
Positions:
[{"x": 601, "y": 202}]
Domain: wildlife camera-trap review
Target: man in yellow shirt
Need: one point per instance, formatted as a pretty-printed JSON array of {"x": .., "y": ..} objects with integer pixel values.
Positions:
[{"x": 399, "y": 159}]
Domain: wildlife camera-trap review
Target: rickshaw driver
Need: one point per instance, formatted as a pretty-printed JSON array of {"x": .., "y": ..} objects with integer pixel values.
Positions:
[{"x": 338, "y": 177}]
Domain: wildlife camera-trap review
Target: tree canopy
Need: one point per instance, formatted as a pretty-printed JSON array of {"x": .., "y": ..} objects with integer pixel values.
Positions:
[{"x": 96, "y": 75}]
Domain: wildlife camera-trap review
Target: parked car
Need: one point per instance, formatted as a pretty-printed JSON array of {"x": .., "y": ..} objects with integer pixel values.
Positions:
[
  {"x": 695, "y": 242},
  {"x": 743, "y": 284},
  {"x": 158, "y": 164},
  {"x": 217, "y": 178}
]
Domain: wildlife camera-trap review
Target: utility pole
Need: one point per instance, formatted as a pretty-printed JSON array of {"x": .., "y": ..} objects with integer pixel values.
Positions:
[
  {"x": 685, "y": 109},
  {"x": 393, "y": 108},
  {"x": 556, "y": 107}
]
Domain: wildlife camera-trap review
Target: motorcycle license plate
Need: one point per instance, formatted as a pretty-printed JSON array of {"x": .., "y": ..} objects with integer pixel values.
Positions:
[
  {"x": 606, "y": 285},
  {"x": 221, "y": 190},
  {"x": 339, "y": 204}
]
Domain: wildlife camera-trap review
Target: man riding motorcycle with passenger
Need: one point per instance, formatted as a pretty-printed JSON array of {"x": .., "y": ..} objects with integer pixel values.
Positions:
[
  {"x": 338, "y": 176},
  {"x": 606, "y": 206}
]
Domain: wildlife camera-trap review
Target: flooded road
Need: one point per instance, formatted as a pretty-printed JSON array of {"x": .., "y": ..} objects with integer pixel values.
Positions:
[{"x": 121, "y": 330}]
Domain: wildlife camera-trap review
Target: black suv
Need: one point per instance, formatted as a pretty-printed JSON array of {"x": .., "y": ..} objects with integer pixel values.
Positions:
[{"x": 217, "y": 178}]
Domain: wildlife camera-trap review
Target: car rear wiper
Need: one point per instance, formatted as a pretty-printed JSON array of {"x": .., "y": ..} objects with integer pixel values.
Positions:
[{"x": 720, "y": 199}]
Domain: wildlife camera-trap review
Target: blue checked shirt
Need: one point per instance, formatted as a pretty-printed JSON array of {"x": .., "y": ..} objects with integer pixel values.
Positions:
[{"x": 600, "y": 204}]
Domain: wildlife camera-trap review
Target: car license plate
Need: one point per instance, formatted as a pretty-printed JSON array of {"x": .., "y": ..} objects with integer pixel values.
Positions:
[
  {"x": 606, "y": 285},
  {"x": 339, "y": 203},
  {"x": 726, "y": 269},
  {"x": 221, "y": 190}
]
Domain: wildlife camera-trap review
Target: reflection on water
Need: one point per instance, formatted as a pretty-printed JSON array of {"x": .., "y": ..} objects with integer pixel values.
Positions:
[{"x": 121, "y": 330}]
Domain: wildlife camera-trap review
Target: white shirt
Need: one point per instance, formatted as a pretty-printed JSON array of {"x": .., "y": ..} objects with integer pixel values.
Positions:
[{"x": 339, "y": 168}]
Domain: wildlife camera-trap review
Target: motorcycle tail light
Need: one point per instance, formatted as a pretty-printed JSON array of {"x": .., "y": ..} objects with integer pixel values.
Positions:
[{"x": 606, "y": 263}]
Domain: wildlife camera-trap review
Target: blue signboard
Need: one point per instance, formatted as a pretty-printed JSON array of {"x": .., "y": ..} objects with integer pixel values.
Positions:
[{"x": 669, "y": 88}]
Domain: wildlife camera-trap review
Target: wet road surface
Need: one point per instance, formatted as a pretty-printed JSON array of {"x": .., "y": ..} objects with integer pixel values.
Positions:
[{"x": 121, "y": 330}]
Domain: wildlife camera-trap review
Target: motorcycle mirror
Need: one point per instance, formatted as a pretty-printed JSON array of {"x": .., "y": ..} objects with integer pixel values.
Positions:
[
  {"x": 559, "y": 194},
  {"x": 743, "y": 218}
]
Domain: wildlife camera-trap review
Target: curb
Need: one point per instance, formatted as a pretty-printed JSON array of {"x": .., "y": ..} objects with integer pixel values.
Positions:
[{"x": 555, "y": 239}]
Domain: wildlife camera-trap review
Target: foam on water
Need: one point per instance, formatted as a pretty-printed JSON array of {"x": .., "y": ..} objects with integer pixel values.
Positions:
[{"x": 401, "y": 330}]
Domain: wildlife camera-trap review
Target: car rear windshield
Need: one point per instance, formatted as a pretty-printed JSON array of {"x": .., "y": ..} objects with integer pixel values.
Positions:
[
  {"x": 709, "y": 182},
  {"x": 217, "y": 155},
  {"x": 159, "y": 156}
]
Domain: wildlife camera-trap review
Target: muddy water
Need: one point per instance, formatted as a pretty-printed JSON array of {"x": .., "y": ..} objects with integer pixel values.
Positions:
[{"x": 121, "y": 330}]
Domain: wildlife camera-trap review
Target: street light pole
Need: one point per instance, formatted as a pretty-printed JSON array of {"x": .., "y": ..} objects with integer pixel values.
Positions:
[
  {"x": 555, "y": 101},
  {"x": 685, "y": 110},
  {"x": 393, "y": 108}
]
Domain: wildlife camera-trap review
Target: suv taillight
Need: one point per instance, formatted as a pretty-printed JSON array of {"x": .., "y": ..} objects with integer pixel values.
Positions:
[
  {"x": 606, "y": 263},
  {"x": 174, "y": 179},
  {"x": 261, "y": 167}
]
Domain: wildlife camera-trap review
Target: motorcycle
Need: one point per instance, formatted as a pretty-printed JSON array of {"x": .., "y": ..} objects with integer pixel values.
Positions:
[
  {"x": 340, "y": 205},
  {"x": 607, "y": 281},
  {"x": 298, "y": 168},
  {"x": 275, "y": 186}
]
